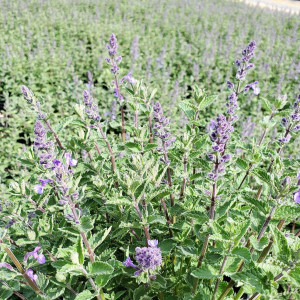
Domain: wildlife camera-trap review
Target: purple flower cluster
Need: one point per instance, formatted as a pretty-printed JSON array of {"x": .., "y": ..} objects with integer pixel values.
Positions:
[
  {"x": 219, "y": 134},
  {"x": 43, "y": 147},
  {"x": 91, "y": 108},
  {"x": 244, "y": 64},
  {"x": 39, "y": 257},
  {"x": 159, "y": 128},
  {"x": 148, "y": 258},
  {"x": 292, "y": 122},
  {"x": 31, "y": 100},
  {"x": 112, "y": 51}
]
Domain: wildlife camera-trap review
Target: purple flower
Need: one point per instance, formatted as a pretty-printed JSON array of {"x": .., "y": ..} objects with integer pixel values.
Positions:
[
  {"x": 69, "y": 161},
  {"x": 31, "y": 275},
  {"x": 39, "y": 188},
  {"x": 39, "y": 257},
  {"x": 128, "y": 78},
  {"x": 297, "y": 196},
  {"x": 91, "y": 109},
  {"x": 230, "y": 85},
  {"x": 6, "y": 265},
  {"x": 129, "y": 263}
]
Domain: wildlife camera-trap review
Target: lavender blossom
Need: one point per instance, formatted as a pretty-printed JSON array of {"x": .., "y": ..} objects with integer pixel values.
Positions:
[
  {"x": 39, "y": 257},
  {"x": 31, "y": 275},
  {"x": 91, "y": 109},
  {"x": 148, "y": 258},
  {"x": 159, "y": 128},
  {"x": 43, "y": 147},
  {"x": 6, "y": 265},
  {"x": 112, "y": 51},
  {"x": 293, "y": 119},
  {"x": 39, "y": 188}
]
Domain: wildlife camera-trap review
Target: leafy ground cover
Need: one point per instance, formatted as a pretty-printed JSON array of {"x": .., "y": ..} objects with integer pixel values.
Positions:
[{"x": 158, "y": 162}]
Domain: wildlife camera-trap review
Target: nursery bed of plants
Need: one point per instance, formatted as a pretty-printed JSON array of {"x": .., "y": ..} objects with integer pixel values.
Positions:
[{"x": 149, "y": 150}]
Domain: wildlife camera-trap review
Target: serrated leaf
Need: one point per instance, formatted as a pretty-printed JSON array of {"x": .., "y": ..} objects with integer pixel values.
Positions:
[
  {"x": 102, "y": 280},
  {"x": 79, "y": 249},
  {"x": 99, "y": 237},
  {"x": 242, "y": 164},
  {"x": 280, "y": 245},
  {"x": 264, "y": 241},
  {"x": 133, "y": 146},
  {"x": 166, "y": 246},
  {"x": 85, "y": 295},
  {"x": 86, "y": 224},
  {"x": 242, "y": 232},
  {"x": 187, "y": 109},
  {"x": 208, "y": 100},
  {"x": 119, "y": 201},
  {"x": 286, "y": 212},
  {"x": 101, "y": 268},
  {"x": 266, "y": 104},
  {"x": 149, "y": 147},
  {"x": 242, "y": 252},
  {"x": 254, "y": 277},
  {"x": 262, "y": 175},
  {"x": 205, "y": 272},
  {"x": 257, "y": 204}
]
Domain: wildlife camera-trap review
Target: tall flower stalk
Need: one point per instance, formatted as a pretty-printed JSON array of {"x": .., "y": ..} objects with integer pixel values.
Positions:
[
  {"x": 114, "y": 60},
  {"x": 160, "y": 130},
  {"x": 220, "y": 130}
]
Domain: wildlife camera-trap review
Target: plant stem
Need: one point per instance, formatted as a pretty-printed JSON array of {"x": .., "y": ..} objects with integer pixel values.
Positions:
[
  {"x": 54, "y": 134},
  {"x": 201, "y": 257},
  {"x": 84, "y": 238},
  {"x": 136, "y": 205},
  {"x": 100, "y": 295},
  {"x": 221, "y": 272},
  {"x": 122, "y": 107},
  {"x": 167, "y": 216},
  {"x": 169, "y": 177},
  {"x": 22, "y": 271},
  {"x": 239, "y": 293},
  {"x": 112, "y": 156},
  {"x": 184, "y": 178}
]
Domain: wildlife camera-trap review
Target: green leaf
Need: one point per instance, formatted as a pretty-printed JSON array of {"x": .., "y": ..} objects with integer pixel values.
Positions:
[
  {"x": 294, "y": 275},
  {"x": 264, "y": 241},
  {"x": 253, "y": 276},
  {"x": 133, "y": 146},
  {"x": 102, "y": 280},
  {"x": 187, "y": 109},
  {"x": 208, "y": 100},
  {"x": 86, "y": 224},
  {"x": 242, "y": 252},
  {"x": 262, "y": 175},
  {"x": 286, "y": 212},
  {"x": 242, "y": 232},
  {"x": 85, "y": 295},
  {"x": 257, "y": 204},
  {"x": 166, "y": 246},
  {"x": 79, "y": 249},
  {"x": 149, "y": 147},
  {"x": 101, "y": 268},
  {"x": 266, "y": 104},
  {"x": 119, "y": 201},
  {"x": 242, "y": 164},
  {"x": 205, "y": 272},
  {"x": 280, "y": 245},
  {"x": 99, "y": 237}
]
